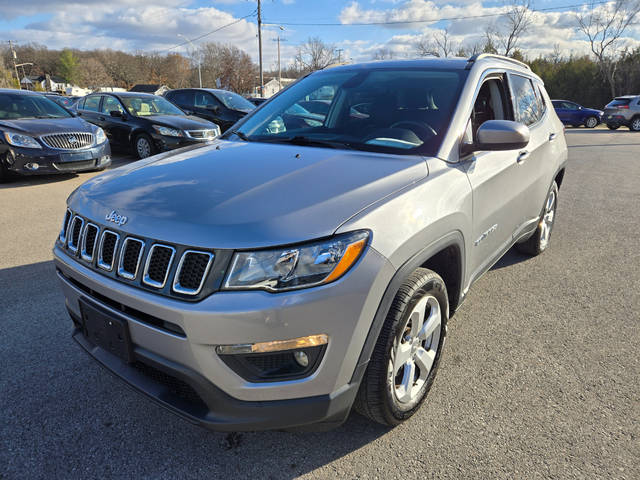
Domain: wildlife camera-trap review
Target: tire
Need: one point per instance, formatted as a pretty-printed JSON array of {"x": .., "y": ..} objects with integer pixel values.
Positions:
[
  {"x": 143, "y": 146},
  {"x": 634, "y": 126},
  {"x": 403, "y": 346},
  {"x": 591, "y": 122},
  {"x": 612, "y": 127},
  {"x": 539, "y": 241},
  {"x": 4, "y": 172}
]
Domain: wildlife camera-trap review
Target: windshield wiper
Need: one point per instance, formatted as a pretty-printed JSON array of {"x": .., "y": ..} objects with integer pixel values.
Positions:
[
  {"x": 309, "y": 142},
  {"x": 240, "y": 135}
]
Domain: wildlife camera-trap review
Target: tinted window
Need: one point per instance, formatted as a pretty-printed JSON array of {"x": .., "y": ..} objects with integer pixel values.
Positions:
[
  {"x": 526, "y": 107},
  {"x": 144, "y": 106},
  {"x": 393, "y": 110},
  {"x": 183, "y": 97},
  {"x": 14, "y": 106},
  {"x": 111, "y": 103},
  {"x": 569, "y": 106},
  {"x": 92, "y": 103},
  {"x": 204, "y": 100}
]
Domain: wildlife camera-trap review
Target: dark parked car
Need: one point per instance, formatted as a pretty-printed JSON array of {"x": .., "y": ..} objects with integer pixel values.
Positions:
[
  {"x": 257, "y": 101},
  {"x": 65, "y": 102},
  {"x": 623, "y": 111},
  {"x": 220, "y": 106},
  {"x": 146, "y": 123},
  {"x": 39, "y": 136},
  {"x": 571, "y": 113}
]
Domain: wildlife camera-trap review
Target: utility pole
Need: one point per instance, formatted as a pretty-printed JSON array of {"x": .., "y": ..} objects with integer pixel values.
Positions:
[
  {"x": 15, "y": 67},
  {"x": 339, "y": 50},
  {"x": 193, "y": 49},
  {"x": 260, "y": 48},
  {"x": 279, "y": 68}
]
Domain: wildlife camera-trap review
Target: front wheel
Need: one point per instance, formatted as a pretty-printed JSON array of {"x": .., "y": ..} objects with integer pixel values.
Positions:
[
  {"x": 407, "y": 354},
  {"x": 539, "y": 241},
  {"x": 591, "y": 122},
  {"x": 635, "y": 125},
  {"x": 143, "y": 146}
]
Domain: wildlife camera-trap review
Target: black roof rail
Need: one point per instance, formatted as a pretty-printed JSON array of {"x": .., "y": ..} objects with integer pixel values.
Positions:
[{"x": 479, "y": 56}]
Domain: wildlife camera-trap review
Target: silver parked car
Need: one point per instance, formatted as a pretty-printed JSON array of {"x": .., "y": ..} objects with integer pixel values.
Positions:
[
  {"x": 277, "y": 277},
  {"x": 623, "y": 111}
]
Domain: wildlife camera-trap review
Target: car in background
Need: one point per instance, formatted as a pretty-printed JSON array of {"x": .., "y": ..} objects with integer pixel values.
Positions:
[
  {"x": 38, "y": 136},
  {"x": 257, "y": 101},
  {"x": 571, "y": 113},
  {"x": 146, "y": 123},
  {"x": 66, "y": 102},
  {"x": 220, "y": 106},
  {"x": 623, "y": 111}
]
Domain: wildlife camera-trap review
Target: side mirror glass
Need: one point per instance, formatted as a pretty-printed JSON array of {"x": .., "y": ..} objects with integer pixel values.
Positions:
[
  {"x": 496, "y": 135},
  {"x": 116, "y": 113},
  {"x": 213, "y": 108}
]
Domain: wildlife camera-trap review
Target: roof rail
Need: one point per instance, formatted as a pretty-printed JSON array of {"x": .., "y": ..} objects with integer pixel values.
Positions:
[{"x": 480, "y": 56}]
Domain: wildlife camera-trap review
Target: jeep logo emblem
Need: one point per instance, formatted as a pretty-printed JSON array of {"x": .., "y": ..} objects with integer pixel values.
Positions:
[{"x": 115, "y": 218}]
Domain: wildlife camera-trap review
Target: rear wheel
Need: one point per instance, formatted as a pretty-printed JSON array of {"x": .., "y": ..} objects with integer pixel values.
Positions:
[
  {"x": 612, "y": 127},
  {"x": 143, "y": 146},
  {"x": 539, "y": 241},
  {"x": 635, "y": 124},
  {"x": 591, "y": 122},
  {"x": 407, "y": 354}
]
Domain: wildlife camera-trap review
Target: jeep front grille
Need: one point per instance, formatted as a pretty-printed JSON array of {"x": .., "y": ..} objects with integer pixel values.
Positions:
[
  {"x": 130, "y": 256},
  {"x": 177, "y": 271},
  {"x": 192, "y": 270},
  {"x": 68, "y": 141}
]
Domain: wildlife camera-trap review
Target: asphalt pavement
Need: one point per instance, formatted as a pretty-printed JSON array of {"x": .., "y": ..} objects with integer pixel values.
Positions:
[{"x": 540, "y": 378}]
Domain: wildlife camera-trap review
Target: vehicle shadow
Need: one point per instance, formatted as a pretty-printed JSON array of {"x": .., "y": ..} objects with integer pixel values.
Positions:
[
  {"x": 56, "y": 399},
  {"x": 510, "y": 258}
]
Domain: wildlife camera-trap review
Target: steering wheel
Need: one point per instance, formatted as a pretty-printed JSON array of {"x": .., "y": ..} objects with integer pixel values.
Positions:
[{"x": 422, "y": 128}]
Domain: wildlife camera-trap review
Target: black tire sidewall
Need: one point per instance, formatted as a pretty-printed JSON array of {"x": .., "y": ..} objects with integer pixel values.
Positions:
[{"x": 434, "y": 286}]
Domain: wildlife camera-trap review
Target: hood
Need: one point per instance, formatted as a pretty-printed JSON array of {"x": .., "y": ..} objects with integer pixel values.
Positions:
[
  {"x": 43, "y": 126},
  {"x": 182, "y": 122},
  {"x": 245, "y": 194}
]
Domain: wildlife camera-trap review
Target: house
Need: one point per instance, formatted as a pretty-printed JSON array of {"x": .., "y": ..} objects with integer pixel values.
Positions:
[
  {"x": 109, "y": 89},
  {"x": 273, "y": 86},
  {"x": 47, "y": 83},
  {"x": 150, "y": 88}
]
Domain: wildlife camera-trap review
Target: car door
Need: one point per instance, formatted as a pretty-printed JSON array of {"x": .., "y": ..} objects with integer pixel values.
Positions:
[
  {"x": 574, "y": 113},
  {"x": 116, "y": 127},
  {"x": 561, "y": 111},
  {"x": 495, "y": 178},
  {"x": 534, "y": 169},
  {"x": 90, "y": 109}
]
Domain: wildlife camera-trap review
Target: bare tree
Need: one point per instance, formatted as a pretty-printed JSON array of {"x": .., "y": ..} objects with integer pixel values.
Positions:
[
  {"x": 603, "y": 25},
  {"x": 506, "y": 34},
  {"x": 383, "y": 54},
  {"x": 93, "y": 73},
  {"x": 426, "y": 47},
  {"x": 314, "y": 54},
  {"x": 440, "y": 44}
]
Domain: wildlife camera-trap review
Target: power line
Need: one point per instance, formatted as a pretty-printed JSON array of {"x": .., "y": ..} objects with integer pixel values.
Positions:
[
  {"x": 401, "y": 22},
  {"x": 208, "y": 33}
]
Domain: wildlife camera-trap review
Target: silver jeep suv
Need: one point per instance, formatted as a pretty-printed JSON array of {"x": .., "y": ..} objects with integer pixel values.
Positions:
[
  {"x": 304, "y": 263},
  {"x": 623, "y": 111}
]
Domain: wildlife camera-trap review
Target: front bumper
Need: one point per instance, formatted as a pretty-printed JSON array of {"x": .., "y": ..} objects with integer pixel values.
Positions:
[
  {"x": 30, "y": 161},
  {"x": 343, "y": 310},
  {"x": 614, "y": 119}
]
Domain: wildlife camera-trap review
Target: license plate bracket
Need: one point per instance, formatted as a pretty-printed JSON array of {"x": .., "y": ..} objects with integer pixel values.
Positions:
[{"x": 106, "y": 330}]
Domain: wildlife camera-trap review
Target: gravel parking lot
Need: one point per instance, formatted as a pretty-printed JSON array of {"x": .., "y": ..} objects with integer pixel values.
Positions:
[{"x": 540, "y": 376}]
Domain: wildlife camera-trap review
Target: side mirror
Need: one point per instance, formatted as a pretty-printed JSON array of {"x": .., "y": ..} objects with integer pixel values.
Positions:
[
  {"x": 495, "y": 135},
  {"x": 116, "y": 113},
  {"x": 213, "y": 108}
]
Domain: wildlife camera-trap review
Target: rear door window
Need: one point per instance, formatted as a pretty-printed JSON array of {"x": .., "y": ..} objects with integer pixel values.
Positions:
[
  {"x": 183, "y": 98},
  {"x": 92, "y": 104},
  {"x": 618, "y": 102},
  {"x": 110, "y": 104}
]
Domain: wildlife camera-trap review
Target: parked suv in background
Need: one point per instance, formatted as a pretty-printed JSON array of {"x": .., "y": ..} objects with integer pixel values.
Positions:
[
  {"x": 219, "y": 106},
  {"x": 571, "y": 113},
  {"x": 39, "y": 136},
  {"x": 276, "y": 279},
  {"x": 623, "y": 111},
  {"x": 144, "y": 123}
]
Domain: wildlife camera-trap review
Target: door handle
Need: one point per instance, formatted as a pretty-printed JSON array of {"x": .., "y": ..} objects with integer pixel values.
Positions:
[
  {"x": 552, "y": 137},
  {"x": 522, "y": 156}
]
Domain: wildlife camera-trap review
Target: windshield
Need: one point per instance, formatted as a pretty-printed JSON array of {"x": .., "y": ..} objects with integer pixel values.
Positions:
[
  {"x": 145, "y": 106},
  {"x": 17, "y": 106},
  {"x": 234, "y": 101},
  {"x": 398, "y": 110}
]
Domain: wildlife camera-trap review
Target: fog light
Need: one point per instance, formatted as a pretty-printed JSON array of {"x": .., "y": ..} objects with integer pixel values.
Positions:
[
  {"x": 275, "y": 346},
  {"x": 301, "y": 358},
  {"x": 32, "y": 166}
]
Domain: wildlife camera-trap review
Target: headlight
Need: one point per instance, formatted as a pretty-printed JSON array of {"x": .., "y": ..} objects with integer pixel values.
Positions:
[
  {"x": 19, "y": 140},
  {"x": 168, "y": 132},
  {"x": 100, "y": 136},
  {"x": 296, "y": 267}
]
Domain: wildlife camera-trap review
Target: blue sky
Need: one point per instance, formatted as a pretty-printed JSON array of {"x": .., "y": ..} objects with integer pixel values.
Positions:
[{"x": 134, "y": 25}]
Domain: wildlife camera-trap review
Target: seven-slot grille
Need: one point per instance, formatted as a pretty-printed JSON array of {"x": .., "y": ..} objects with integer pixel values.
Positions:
[
  {"x": 68, "y": 141},
  {"x": 125, "y": 257}
]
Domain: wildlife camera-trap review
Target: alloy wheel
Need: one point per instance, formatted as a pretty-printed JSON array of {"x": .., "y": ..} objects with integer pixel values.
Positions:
[
  {"x": 635, "y": 125},
  {"x": 414, "y": 350},
  {"x": 143, "y": 147},
  {"x": 546, "y": 223},
  {"x": 591, "y": 122}
]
